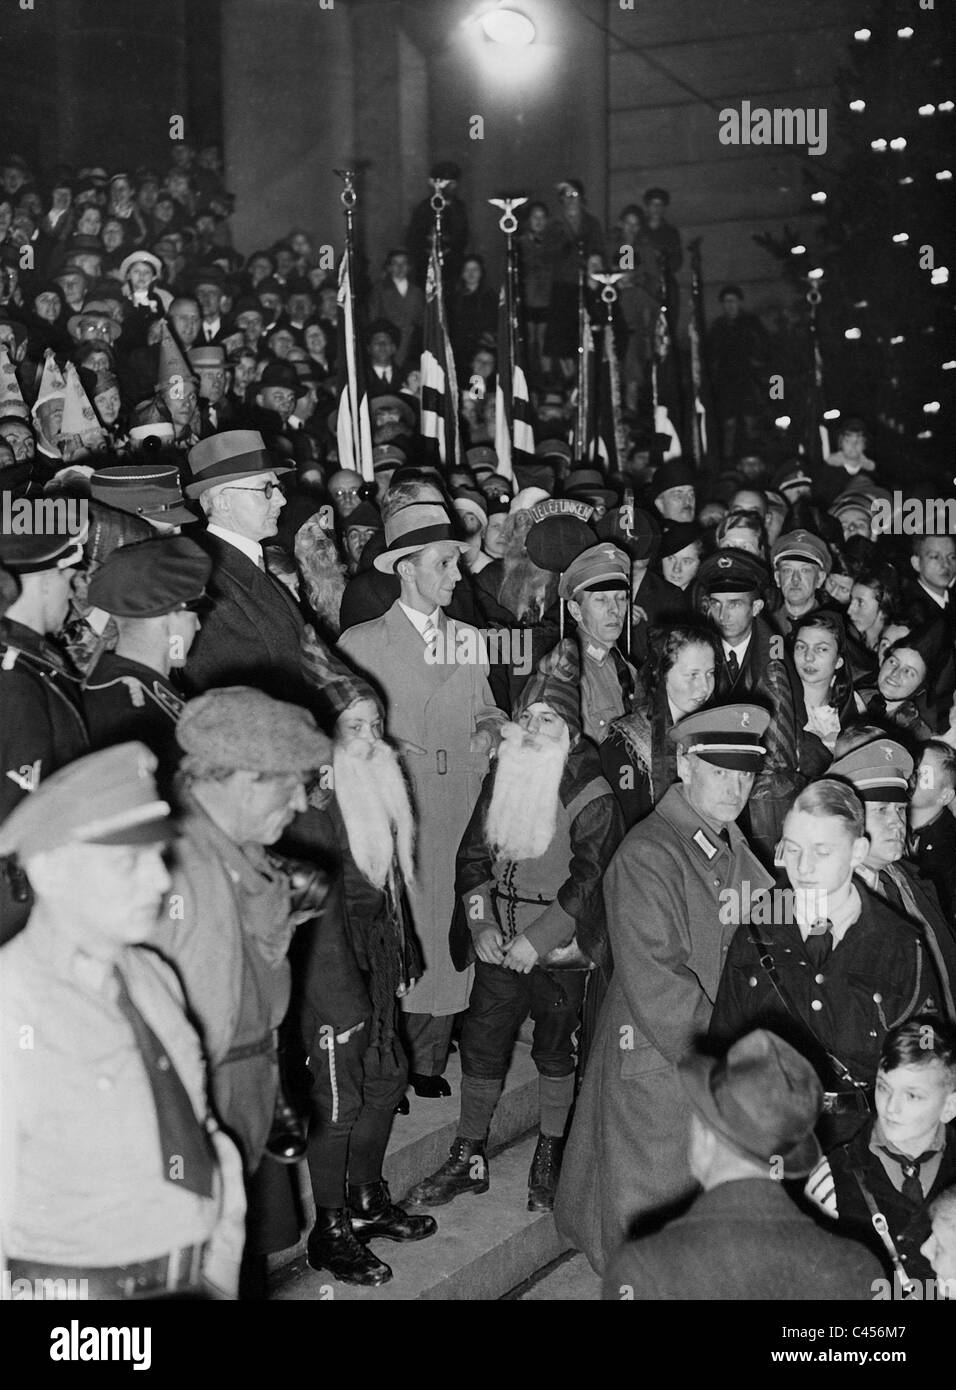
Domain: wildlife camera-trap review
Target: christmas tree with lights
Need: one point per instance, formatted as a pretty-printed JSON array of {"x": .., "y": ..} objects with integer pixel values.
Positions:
[{"x": 882, "y": 254}]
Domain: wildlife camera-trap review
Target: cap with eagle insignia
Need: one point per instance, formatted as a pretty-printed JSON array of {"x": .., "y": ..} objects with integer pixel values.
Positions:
[
  {"x": 729, "y": 736},
  {"x": 732, "y": 571},
  {"x": 106, "y": 798},
  {"x": 879, "y": 771}
]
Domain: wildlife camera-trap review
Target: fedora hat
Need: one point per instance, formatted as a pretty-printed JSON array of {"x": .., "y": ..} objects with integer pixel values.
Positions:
[
  {"x": 763, "y": 1098},
  {"x": 222, "y": 458},
  {"x": 412, "y": 528},
  {"x": 588, "y": 482}
]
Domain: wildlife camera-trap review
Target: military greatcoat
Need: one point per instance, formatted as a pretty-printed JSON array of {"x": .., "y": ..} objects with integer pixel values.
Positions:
[{"x": 669, "y": 929}]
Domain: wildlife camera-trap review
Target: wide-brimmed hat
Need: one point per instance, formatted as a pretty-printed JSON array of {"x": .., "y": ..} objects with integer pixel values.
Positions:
[
  {"x": 222, "y": 458},
  {"x": 376, "y": 403},
  {"x": 135, "y": 257},
  {"x": 763, "y": 1098},
  {"x": 588, "y": 482},
  {"x": 76, "y": 322},
  {"x": 412, "y": 528}
]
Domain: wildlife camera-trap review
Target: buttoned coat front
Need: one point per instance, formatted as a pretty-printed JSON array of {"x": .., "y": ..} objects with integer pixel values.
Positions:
[
  {"x": 667, "y": 915},
  {"x": 432, "y": 711}
]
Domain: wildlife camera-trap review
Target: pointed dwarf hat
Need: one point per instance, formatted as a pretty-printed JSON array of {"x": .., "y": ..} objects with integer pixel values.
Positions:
[
  {"x": 11, "y": 397},
  {"x": 172, "y": 364},
  {"x": 79, "y": 417}
]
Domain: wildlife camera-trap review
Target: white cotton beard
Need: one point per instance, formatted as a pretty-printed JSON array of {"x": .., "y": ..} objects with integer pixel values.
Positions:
[
  {"x": 376, "y": 808},
  {"x": 523, "y": 813}
]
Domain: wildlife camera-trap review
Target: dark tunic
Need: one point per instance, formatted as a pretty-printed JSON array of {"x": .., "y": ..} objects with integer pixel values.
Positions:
[
  {"x": 909, "y": 1222},
  {"x": 125, "y": 700},
  {"x": 876, "y": 978},
  {"x": 41, "y": 729}
]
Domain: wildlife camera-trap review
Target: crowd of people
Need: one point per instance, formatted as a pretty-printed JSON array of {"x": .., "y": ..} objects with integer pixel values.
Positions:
[{"x": 308, "y": 780}]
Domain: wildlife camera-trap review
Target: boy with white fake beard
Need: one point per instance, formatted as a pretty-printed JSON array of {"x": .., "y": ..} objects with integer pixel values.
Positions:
[
  {"x": 361, "y": 958},
  {"x": 531, "y": 910}
]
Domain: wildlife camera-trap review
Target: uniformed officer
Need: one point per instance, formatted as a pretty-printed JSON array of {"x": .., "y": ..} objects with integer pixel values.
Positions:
[
  {"x": 881, "y": 771},
  {"x": 42, "y": 726},
  {"x": 754, "y": 666},
  {"x": 665, "y": 893},
  {"x": 154, "y": 591},
  {"x": 829, "y": 966},
  {"x": 596, "y": 586},
  {"x": 113, "y": 1170}
]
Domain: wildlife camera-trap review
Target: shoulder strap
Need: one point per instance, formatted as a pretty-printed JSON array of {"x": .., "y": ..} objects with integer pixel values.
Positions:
[
  {"x": 882, "y": 1228},
  {"x": 770, "y": 970}
]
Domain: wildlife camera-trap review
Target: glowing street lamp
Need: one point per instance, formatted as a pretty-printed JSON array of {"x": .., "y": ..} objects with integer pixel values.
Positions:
[{"x": 508, "y": 27}]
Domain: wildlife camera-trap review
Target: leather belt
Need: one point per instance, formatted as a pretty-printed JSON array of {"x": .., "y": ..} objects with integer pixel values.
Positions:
[
  {"x": 178, "y": 1272},
  {"x": 844, "y": 1102}
]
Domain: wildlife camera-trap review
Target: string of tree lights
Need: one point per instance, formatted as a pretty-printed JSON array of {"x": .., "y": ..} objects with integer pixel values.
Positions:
[{"x": 882, "y": 252}]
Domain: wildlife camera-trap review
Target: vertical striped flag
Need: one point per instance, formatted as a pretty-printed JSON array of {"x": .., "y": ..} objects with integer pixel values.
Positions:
[
  {"x": 440, "y": 428},
  {"x": 353, "y": 426},
  {"x": 514, "y": 433},
  {"x": 609, "y": 444}
]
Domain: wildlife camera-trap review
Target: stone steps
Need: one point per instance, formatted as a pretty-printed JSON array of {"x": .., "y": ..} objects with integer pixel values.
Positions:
[
  {"x": 487, "y": 1245},
  {"x": 570, "y": 1280}
]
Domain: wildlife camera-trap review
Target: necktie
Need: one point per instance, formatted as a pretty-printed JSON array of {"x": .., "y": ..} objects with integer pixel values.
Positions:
[
  {"x": 819, "y": 943},
  {"x": 733, "y": 666},
  {"x": 912, "y": 1188},
  {"x": 184, "y": 1145},
  {"x": 260, "y": 561},
  {"x": 430, "y": 636}
]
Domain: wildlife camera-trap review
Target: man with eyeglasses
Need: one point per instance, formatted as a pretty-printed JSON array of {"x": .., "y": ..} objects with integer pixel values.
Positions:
[
  {"x": 154, "y": 591},
  {"x": 253, "y": 630},
  {"x": 345, "y": 490}
]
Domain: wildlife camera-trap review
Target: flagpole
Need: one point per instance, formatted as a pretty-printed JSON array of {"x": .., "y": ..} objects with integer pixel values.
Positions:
[
  {"x": 509, "y": 225},
  {"x": 581, "y": 442},
  {"x": 348, "y": 199}
]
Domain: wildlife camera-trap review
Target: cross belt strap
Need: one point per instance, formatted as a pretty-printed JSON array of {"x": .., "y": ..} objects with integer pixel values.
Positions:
[
  {"x": 882, "y": 1228},
  {"x": 765, "y": 957}
]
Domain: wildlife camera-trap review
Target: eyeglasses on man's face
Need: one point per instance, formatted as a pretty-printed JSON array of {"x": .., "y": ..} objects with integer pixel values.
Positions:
[{"x": 268, "y": 489}]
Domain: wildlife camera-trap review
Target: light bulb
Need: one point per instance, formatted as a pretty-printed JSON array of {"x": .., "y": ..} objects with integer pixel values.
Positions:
[
  {"x": 949, "y": 366},
  {"x": 907, "y": 180},
  {"x": 898, "y": 144},
  {"x": 945, "y": 106},
  {"x": 861, "y": 35},
  {"x": 898, "y": 339},
  {"x": 940, "y": 275},
  {"x": 926, "y": 110},
  {"x": 831, "y": 415},
  {"x": 901, "y": 238},
  {"x": 943, "y": 174},
  {"x": 904, "y": 33},
  {"x": 510, "y": 28},
  {"x": 782, "y": 422},
  {"x": 815, "y": 274},
  {"x": 879, "y": 145},
  {"x": 858, "y": 105},
  {"x": 818, "y": 197},
  {"x": 853, "y": 333},
  {"x": 931, "y": 408},
  {"x": 798, "y": 250}
]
